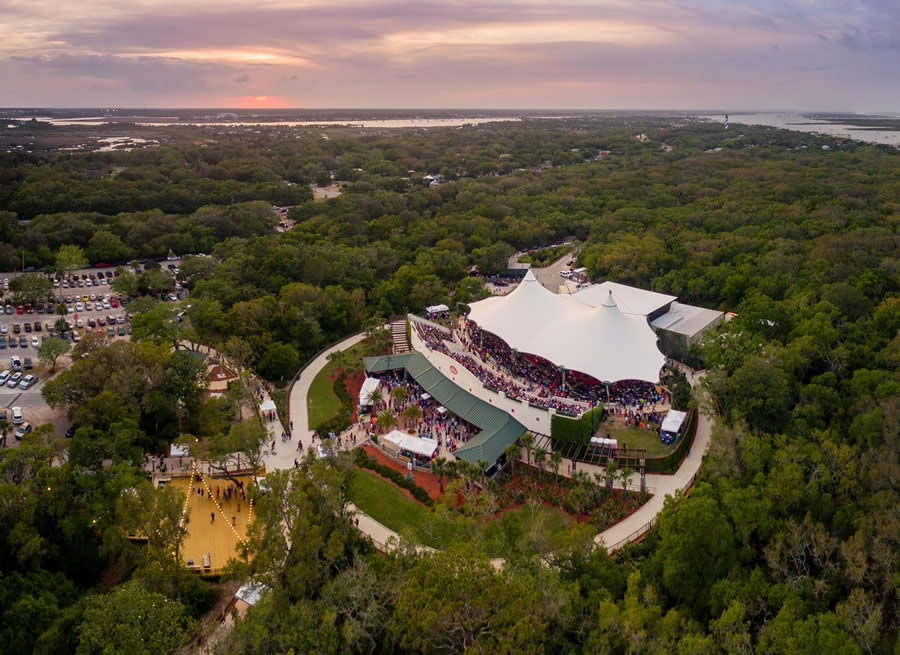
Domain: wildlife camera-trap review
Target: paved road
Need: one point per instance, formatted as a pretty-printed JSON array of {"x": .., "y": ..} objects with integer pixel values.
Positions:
[{"x": 549, "y": 276}]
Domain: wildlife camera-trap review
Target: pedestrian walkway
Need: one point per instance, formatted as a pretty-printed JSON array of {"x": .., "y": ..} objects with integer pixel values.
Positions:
[{"x": 398, "y": 334}]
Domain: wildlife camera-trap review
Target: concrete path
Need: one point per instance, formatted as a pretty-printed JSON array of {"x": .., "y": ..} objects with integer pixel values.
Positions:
[{"x": 613, "y": 538}]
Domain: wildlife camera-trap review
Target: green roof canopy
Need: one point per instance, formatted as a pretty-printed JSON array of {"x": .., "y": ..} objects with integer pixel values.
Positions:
[{"x": 498, "y": 429}]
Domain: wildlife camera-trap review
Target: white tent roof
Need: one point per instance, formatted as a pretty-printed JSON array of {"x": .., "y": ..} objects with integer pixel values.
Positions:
[
  {"x": 601, "y": 341},
  {"x": 437, "y": 308},
  {"x": 673, "y": 420},
  {"x": 418, "y": 445},
  {"x": 250, "y": 592},
  {"x": 267, "y": 406},
  {"x": 631, "y": 300},
  {"x": 368, "y": 386}
]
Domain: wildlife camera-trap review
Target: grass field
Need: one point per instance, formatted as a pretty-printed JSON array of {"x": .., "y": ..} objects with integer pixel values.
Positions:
[
  {"x": 544, "y": 525},
  {"x": 387, "y": 504},
  {"x": 321, "y": 403},
  {"x": 636, "y": 438}
]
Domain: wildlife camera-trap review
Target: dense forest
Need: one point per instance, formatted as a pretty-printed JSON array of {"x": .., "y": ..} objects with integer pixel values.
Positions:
[{"x": 789, "y": 541}]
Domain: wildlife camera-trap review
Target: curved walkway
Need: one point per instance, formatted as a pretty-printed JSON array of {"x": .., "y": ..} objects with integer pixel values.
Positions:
[{"x": 613, "y": 538}]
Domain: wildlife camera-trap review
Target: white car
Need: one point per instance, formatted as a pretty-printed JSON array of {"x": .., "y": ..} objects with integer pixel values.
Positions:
[
  {"x": 4, "y": 329},
  {"x": 27, "y": 381},
  {"x": 4, "y": 376},
  {"x": 93, "y": 297},
  {"x": 17, "y": 416},
  {"x": 79, "y": 307},
  {"x": 34, "y": 342},
  {"x": 88, "y": 306},
  {"x": 79, "y": 323},
  {"x": 106, "y": 304},
  {"x": 88, "y": 283}
]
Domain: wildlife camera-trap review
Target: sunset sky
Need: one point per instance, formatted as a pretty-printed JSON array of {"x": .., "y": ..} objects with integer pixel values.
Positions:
[{"x": 738, "y": 54}]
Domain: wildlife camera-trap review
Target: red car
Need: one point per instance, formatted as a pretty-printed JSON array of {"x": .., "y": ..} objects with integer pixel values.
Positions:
[
  {"x": 29, "y": 309},
  {"x": 101, "y": 265},
  {"x": 113, "y": 302},
  {"x": 20, "y": 310}
]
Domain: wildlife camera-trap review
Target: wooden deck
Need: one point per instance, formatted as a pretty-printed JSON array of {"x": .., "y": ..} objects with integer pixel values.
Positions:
[{"x": 217, "y": 538}]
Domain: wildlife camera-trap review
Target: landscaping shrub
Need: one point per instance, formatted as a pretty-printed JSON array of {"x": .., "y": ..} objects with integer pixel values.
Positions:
[{"x": 578, "y": 431}]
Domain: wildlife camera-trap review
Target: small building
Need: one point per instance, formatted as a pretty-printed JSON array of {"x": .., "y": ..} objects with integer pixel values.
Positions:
[
  {"x": 683, "y": 326},
  {"x": 517, "y": 269}
]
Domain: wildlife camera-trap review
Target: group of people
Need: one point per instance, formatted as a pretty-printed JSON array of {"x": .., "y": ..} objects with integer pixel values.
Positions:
[{"x": 448, "y": 430}]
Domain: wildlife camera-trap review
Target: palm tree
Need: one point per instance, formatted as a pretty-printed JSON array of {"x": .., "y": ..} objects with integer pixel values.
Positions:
[
  {"x": 527, "y": 441},
  {"x": 555, "y": 461},
  {"x": 337, "y": 360},
  {"x": 611, "y": 467},
  {"x": 513, "y": 451},
  {"x": 399, "y": 394},
  {"x": 412, "y": 414},
  {"x": 386, "y": 420},
  {"x": 439, "y": 468},
  {"x": 375, "y": 398},
  {"x": 540, "y": 459},
  {"x": 625, "y": 475}
]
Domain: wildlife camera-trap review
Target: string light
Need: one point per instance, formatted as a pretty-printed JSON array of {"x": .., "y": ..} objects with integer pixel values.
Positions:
[{"x": 216, "y": 501}]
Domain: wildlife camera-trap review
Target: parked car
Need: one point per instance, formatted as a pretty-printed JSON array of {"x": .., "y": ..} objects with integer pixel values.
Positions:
[
  {"x": 28, "y": 364},
  {"x": 23, "y": 341},
  {"x": 16, "y": 328},
  {"x": 4, "y": 329},
  {"x": 15, "y": 362},
  {"x": 28, "y": 381},
  {"x": 4, "y": 376},
  {"x": 37, "y": 326},
  {"x": 22, "y": 430},
  {"x": 17, "y": 416},
  {"x": 28, "y": 327},
  {"x": 34, "y": 341},
  {"x": 13, "y": 380},
  {"x": 121, "y": 331}
]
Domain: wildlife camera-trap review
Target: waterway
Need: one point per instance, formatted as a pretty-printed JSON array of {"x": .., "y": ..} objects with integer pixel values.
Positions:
[{"x": 803, "y": 123}]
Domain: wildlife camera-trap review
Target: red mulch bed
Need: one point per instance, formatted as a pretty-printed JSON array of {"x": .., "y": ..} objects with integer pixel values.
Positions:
[
  {"x": 353, "y": 383},
  {"x": 427, "y": 481}
]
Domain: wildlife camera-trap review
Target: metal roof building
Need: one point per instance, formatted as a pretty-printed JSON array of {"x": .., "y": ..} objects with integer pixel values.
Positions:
[{"x": 498, "y": 429}]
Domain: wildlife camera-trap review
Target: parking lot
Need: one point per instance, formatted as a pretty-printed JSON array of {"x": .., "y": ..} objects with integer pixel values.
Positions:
[{"x": 87, "y": 312}]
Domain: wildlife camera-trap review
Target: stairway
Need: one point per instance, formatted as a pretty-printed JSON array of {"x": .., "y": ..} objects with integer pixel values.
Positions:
[{"x": 398, "y": 332}]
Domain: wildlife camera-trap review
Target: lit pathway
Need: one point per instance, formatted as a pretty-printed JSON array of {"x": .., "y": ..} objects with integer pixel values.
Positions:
[{"x": 613, "y": 538}]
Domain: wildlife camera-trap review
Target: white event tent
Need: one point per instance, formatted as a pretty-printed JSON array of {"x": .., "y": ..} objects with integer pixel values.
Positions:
[
  {"x": 368, "y": 386},
  {"x": 599, "y": 341},
  {"x": 417, "y": 445}
]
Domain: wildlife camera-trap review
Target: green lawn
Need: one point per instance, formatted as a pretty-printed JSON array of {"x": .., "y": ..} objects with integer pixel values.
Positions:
[
  {"x": 547, "y": 528},
  {"x": 386, "y": 503},
  {"x": 321, "y": 403},
  {"x": 636, "y": 438}
]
